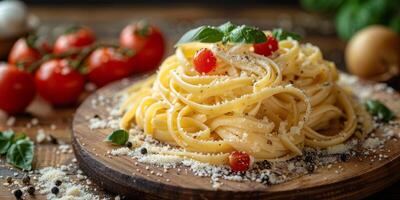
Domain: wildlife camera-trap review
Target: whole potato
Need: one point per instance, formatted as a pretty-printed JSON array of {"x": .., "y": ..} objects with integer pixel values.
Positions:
[{"x": 374, "y": 53}]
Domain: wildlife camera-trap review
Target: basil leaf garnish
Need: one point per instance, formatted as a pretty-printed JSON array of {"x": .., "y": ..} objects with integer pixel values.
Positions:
[
  {"x": 281, "y": 34},
  {"x": 206, "y": 34},
  {"x": 227, "y": 32},
  {"x": 19, "y": 136},
  {"x": 376, "y": 108},
  {"x": 6, "y": 139},
  {"x": 21, "y": 153},
  {"x": 227, "y": 27},
  {"x": 119, "y": 137},
  {"x": 246, "y": 34}
]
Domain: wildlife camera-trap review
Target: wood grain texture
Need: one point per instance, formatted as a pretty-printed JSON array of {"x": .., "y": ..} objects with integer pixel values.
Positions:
[{"x": 121, "y": 175}]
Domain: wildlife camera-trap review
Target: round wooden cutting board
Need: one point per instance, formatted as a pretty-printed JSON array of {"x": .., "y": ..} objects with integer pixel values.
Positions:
[{"x": 122, "y": 175}]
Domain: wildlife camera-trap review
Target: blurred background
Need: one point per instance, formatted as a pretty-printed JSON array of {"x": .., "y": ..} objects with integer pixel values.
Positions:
[
  {"x": 328, "y": 24},
  {"x": 313, "y": 19}
]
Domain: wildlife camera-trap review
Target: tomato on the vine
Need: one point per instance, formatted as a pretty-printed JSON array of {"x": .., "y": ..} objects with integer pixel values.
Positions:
[
  {"x": 239, "y": 161},
  {"x": 74, "y": 39},
  {"x": 57, "y": 82},
  {"x": 17, "y": 89},
  {"x": 108, "y": 64},
  {"x": 204, "y": 61},
  {"x": 268, "y": 47},
  {"x": 23, "y": 54},
  {"x": 148, "y": 44}
]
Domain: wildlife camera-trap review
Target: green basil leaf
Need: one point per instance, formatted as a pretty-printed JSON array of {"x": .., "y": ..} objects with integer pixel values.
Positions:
[
  {"x": 6, "y": 139},
  {"x": 20, "y": 136},
  {"x": 376, "y": 108},
  {"x": 227, "y": 27},
  {"x": 280, "y": 34},
  {"x": 206, "y": 34},
  {"x": 119, "y": 137},
  {"x": 246, "y": 34},
  {"x": 21, "y": 153}
]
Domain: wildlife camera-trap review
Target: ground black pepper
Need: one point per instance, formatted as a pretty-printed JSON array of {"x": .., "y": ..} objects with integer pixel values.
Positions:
[
  {"x": 58, "y": 183},
  {"x": 128, "y": 144},
  {"x": 31, "y": 190},
  {"x": 18, "y": 194},
  {"x": 26, "y": 180},
  {"x": 55, "y": 190},
  {"x": 143, "y": 150},
  {"x": 9, "y": 179}
]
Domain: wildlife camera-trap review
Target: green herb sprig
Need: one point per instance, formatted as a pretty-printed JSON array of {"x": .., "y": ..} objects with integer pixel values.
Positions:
[
  {"x": 19, "y": 149},
  {"x": 227, "y": 32},
  {"x": 119, "y": 137},
  {"x": 378, "y": 109},
  {"x": 281, "y": 34}
]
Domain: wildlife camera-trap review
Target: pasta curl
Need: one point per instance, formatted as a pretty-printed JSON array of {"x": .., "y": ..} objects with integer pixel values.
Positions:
[{"x": 269, "y": 107}]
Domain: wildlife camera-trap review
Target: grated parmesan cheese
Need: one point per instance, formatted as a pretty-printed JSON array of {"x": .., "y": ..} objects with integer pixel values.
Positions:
[{"x": 372, "y": 143}]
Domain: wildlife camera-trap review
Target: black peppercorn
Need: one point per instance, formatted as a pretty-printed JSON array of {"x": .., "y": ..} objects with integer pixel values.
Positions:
[
  {"x": 309, "y": 158},
  {"x": 310, "y": 168},
  {"x": 58, "y": 183},
  {"x": 31, "y": 190},
  {"x": 128, "y": 144},
  {"x": 265, "y": 180},
  {"x": 265, "y": 164},
  {"x": 143, "y": 150},
  {"x": 53, "y": 140},
  {"x": 55, "y": 190},
  {"x": 18, "y": 194},
  {"x": 9, "y": 179},
  {"x": 26, "y": 180},
  {"x": 344, "y": 157}
]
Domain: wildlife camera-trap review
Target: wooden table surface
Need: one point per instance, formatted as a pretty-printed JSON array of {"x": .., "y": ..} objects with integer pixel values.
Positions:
[{"x": 107, "y": 21}]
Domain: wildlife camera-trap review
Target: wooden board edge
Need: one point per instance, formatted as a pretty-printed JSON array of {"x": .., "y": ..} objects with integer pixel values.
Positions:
[{"x": 135, "y": 187}]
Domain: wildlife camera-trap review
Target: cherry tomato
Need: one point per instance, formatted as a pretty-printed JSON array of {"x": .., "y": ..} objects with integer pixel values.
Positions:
[
  {"x": 239, "y": 161},
  {"x": 23, "y": 55},
  {"x": 45, "y": 46},
  {"x": 74, "y": 39},
  {"x": 107, "y": 65},
  {"x": 204, "y": 61},
  {"x": 148, "y": 44},
  {"x": 17, "y": 89},
  {"x": 266, "y": 48},
  {"x": 58, "y": 83}
]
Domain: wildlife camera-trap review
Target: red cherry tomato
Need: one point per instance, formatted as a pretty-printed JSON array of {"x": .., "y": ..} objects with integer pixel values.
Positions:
[
  {"x": 58, "y": 83},
  {"x": 17, "y": 89},
  {"x": 74, "y": 40},
  {"x": 107, "y": 65},
  {"x": 239, "y": 161},
  {"x": 23, "y": 55},
  {"x": 148, "y": 44},
  {"x": 45, "y": 46},
  {"x": 266, "y": 48},
  {"x": 204, "y": 61}
]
